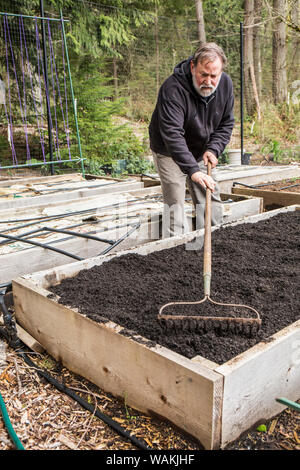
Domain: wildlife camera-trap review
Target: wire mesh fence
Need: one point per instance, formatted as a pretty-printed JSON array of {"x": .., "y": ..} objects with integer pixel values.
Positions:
[
  {"x": 113, "y": 54},
  {"x": 36, "y": 109}
]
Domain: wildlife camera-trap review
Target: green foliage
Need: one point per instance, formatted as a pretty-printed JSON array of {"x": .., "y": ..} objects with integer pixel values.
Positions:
[
  {"x": 137, "y": 165},
  {"x": 223, "y": 158},
  {"x": 101, "y": 139},
  {"x": 4, "y": 145},
  {"x": 147, "y": 38},
  {"x": 262, "y": 428},
  {"x": 278, "y": 128},
  {"x": 273, "y": 149}
]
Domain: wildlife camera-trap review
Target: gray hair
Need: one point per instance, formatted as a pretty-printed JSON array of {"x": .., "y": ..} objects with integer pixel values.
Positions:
[{"x": 209, "y": 51}]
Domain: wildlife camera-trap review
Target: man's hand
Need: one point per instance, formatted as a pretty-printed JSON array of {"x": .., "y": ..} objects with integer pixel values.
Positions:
[
  {"x": 204, "y": 180},
  {"x": 208, "y": 155}
]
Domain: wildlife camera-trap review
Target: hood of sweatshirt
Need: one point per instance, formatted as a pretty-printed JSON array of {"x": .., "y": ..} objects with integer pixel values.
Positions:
[{"x": 182, "y": 73}]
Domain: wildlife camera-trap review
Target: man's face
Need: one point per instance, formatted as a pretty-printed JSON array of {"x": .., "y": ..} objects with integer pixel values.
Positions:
[{"x": 206, "y": 76}]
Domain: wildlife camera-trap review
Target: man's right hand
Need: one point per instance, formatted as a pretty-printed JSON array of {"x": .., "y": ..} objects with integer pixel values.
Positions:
[{"x": 204, "y": 180}]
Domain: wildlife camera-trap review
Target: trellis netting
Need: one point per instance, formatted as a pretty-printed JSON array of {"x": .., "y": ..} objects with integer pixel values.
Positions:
[{"x": 36, "y": 108}]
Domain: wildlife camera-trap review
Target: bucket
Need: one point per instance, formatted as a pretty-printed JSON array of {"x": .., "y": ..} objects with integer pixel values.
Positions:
[{"x": 234, "y": 157}]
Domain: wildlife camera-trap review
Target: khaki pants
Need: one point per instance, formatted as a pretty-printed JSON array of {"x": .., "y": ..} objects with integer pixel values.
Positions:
[{"x": 173, "y": 183}]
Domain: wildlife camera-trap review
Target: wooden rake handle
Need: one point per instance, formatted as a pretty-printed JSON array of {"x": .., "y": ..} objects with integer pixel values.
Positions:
[{"x": 207, "y": 239}]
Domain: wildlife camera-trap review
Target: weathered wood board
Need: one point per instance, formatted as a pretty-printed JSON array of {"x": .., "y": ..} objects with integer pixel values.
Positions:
[
  {"x": 82, "y": 189},
  {"x": 250, "y": 174},
  {"x": 253, "y": 380},
  {"x": 151, "y": 379},
  {"x": 41, "y": 179},
  {"x": 270, "y": 198},
  {"x": 214, "y": 403},
  {"x": 15, "y": 263}
]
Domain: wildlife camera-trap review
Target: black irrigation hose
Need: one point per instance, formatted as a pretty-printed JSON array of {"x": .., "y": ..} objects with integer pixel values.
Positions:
[
  {"x": 62, "y": 216},
  {"x": 263, "y": 184},
  {"x": 66, "y": 253},
  {"x": 78, "y": 234},
  {"x": 41, "y": 245},
  {"x": 31, "y": 234},
  {"x": 16, "y": 344},
  {"x": 6, "y": 285},
  {"x": 290, "y": 186},
  {"x": 86, "y": 221},
  {"x": 63, "y": 388},
  {"x": 247, "y": 185},
  {"x": 9, "y": 323},
  {"x": 67, "y": 232},
  {"x": 126, "y": 235}
]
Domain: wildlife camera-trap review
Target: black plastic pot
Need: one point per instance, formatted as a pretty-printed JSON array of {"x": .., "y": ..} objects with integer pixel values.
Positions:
[{"x": 246, "y": 157}]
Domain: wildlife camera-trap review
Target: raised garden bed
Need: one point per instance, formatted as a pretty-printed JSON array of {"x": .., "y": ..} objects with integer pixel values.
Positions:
[
  {"x": 275, "y": 194},
  {"x": 256, "y": 265},
  {"x": 286, "y": 185},
  {"x": 213, "y": 386},
  {"x": 14, "y": 256}
]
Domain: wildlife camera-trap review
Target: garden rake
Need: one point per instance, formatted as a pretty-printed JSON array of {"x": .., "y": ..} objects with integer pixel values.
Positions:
[{"x": 237, "y": 324}]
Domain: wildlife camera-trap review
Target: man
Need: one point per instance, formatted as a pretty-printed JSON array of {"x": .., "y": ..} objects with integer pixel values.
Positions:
[{"x": 191, "y": 125}]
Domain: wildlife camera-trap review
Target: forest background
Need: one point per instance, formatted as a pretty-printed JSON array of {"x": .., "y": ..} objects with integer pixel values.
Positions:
[{"x": 120, "y": 53}]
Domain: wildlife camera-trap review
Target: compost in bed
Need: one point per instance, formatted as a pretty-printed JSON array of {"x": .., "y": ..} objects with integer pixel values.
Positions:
[{"x": 256, "y": 264}]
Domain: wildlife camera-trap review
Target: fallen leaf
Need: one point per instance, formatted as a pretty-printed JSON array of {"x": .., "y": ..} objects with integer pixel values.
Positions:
[
  {"x": 261, "y": 428},
  {"x": 272, "y": 426},
  {"x": 148, "y": 442},
  {"x": 119, "y": 420},
  {"x": 296, "y": 437}
]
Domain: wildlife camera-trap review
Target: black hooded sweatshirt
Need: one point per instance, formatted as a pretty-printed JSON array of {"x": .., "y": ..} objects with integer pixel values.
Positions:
[{"x": 184, "y": 125}]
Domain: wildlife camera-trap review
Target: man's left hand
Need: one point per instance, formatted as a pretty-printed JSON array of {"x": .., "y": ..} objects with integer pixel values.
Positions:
[{"x": 209, "y": 156}]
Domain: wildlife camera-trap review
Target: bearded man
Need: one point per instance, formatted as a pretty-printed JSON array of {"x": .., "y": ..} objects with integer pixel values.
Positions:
[{"x": 192, "y": 124}]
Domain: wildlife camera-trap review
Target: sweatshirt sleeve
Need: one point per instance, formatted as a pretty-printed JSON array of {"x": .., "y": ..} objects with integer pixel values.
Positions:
[
  {"x": 221, "y": 136},
  {"x": 171, "y": 119}
]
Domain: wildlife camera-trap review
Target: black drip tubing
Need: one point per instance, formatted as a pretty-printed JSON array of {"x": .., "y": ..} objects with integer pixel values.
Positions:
[{"x": 16, "y": 344}]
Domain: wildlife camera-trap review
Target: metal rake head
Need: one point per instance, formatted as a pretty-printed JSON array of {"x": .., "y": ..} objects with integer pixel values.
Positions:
[{"x": 246, "y": 326}]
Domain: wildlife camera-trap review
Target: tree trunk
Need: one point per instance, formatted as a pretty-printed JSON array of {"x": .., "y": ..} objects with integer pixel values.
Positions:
[
  {"x": 279, "y": 75},
  {"x": 248, "y": 59},
  {"x": 200, "y": 22},
  {"x": 257, "y": 45},
  {"x": 256, "y": 97},
  {"x": 295, "y": 41}
]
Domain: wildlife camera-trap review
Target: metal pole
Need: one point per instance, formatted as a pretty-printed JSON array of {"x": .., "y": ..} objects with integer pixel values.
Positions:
[
  {"x": 47, "y": 87},
  {"x": 72, "y": 92},
  {"x": 242, "y": 89}
]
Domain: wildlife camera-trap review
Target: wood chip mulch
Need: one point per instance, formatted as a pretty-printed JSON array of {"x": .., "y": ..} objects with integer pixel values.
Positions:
[{"x": 47, "y": 419}]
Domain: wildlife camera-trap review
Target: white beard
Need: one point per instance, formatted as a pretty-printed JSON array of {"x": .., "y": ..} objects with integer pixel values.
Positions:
[{"x": 204, "y": 90}]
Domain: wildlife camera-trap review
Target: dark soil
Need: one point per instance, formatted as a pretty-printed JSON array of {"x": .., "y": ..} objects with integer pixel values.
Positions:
[
  {"x": 288, "y": 185},
  {"x": 254, "y": 264}
]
